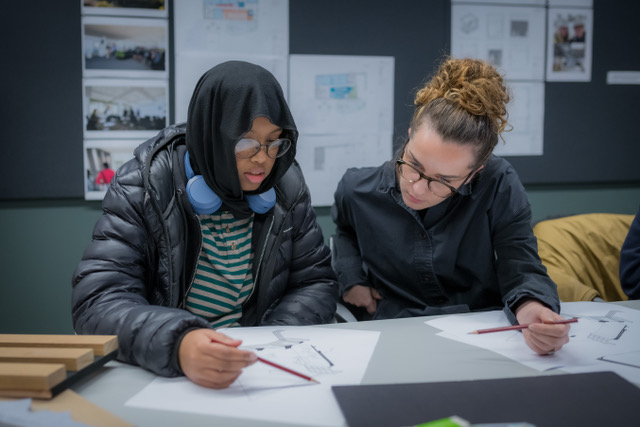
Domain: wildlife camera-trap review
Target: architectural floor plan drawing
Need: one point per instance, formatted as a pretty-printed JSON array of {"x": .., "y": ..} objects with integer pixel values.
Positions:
[
  {"x": 331, "y": 356},
  {"x": 603, "y": 339}
]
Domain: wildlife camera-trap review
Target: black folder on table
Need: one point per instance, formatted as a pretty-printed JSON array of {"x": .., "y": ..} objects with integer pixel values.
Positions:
[{"x": 586, "y": 399}]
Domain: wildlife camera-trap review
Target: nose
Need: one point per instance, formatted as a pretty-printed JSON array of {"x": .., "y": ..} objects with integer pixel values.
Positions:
[
  {"x": 420, "y": 186},
  {"x": 261, "y": 155}
]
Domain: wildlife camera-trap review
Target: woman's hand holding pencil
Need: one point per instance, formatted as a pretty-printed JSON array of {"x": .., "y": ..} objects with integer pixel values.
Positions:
[{"x": 546, "y": 331}]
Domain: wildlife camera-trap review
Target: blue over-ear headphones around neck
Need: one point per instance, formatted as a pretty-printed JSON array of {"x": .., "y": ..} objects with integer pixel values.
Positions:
[{"x": 206, "y": 202}]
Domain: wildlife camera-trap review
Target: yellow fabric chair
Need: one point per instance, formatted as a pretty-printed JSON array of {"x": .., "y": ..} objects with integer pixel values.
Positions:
[{"x": 582, "y": 254}]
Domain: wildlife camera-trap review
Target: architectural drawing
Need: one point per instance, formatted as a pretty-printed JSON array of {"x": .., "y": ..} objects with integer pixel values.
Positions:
[
  {"x": 333, "y": 356},
  {"x": 603, "y": 339},
  {"x": 280, "y": 342}
]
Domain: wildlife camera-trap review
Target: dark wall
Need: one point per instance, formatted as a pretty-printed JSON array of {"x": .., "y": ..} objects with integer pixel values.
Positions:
[
  {"x": 40, "y": 100},
  {"x": 414, "y": 32},
  {"x": 590, "y": 133},
  {"x": 589, "y": 127}
]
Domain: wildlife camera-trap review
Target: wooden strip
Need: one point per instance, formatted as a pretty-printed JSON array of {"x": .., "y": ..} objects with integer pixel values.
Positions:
[
  {"x": 100, "y": 344},
  {"x": 73, "y": 359},
  {"x": 31, "y": 376},
  {"x": 36, "y": 394}
]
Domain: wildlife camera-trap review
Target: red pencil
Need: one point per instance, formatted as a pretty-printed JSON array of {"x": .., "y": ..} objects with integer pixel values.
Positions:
[
  {"x": 525, "y": 326},
  {"x": 275, "y": 365}
]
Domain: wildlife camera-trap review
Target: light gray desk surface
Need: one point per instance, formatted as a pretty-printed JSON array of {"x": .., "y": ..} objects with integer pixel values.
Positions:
[{"x": 408, "y": 351}]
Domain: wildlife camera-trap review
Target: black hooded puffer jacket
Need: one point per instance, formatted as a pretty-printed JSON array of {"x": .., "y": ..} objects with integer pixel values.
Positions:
[{"x": 134, "y": 276}]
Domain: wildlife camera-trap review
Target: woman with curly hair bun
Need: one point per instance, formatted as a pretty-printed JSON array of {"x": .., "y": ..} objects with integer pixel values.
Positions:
[{"x": 445, "y": 227}]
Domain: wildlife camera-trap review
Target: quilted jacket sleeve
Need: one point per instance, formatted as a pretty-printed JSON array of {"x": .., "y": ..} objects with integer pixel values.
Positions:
[{"x": 113, "y": 283}]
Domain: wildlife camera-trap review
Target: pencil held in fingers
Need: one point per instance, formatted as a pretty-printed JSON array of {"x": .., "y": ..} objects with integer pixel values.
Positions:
[
  {"x": 277, "y": 366},
  {"x": 291, "y": 371},
  {"x": 520, "y": 327}
]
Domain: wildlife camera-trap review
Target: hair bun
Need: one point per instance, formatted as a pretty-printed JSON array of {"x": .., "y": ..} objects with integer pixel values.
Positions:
[{"x": 472, "y": 85}]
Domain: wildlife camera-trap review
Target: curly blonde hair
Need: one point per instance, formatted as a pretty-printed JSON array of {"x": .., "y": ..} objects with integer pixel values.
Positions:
[{"x": 465, "y": 103}]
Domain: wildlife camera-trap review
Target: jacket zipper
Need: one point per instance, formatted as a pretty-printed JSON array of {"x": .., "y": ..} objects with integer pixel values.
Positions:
[
  {"x": 258, "y": 269},
  {"x": 189, "y": 284}
]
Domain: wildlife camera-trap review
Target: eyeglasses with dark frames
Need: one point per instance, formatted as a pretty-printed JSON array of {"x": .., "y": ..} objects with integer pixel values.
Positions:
[
  {"x": 247, "y": 148},
  {"x": 438, "y": 187}
]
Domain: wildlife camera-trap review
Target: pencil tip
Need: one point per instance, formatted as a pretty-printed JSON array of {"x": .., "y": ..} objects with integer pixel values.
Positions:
[
  {"x": 473, "y": 332},
  {"x": 315, "y": 381}
]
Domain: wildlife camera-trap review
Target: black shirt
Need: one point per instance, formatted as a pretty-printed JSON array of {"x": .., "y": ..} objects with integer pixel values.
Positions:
[{"x": 473, "y": 251}]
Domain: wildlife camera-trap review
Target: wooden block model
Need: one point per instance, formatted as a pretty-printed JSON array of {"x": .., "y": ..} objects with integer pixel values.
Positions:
[{"x": 41, "y": 366}]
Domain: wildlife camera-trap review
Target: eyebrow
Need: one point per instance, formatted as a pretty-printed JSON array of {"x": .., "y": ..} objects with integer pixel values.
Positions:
[
  {"x": 449, "y": 177},
  {"x": 251, "y": 131}
]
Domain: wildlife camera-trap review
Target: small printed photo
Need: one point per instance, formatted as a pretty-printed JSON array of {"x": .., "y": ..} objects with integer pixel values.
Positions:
[
  {"x": 124, "y": 47},
  {"x": 495, "y": 57},
  {"x": 124, "y": 108},
  {"x": 569, "y": 50},
  {"x": 101, "y": 160},
  {"x": 146, "y": 8},
  {"x": 519, "y": 28}
]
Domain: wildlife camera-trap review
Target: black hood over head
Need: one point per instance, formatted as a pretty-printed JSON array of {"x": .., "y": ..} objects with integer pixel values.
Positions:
[{"x": 224, "y": 104}]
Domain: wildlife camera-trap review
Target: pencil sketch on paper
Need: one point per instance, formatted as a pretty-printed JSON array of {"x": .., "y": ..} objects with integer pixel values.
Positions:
[
  {"x": 333, "y": 356},
  {"x": 280, "y": 342},
  {"x": 631, "y": 359},
  {"x": 608, "y": 328},
  {"x": 300, "y": 354},
  {"x": 604, "y": 338}
]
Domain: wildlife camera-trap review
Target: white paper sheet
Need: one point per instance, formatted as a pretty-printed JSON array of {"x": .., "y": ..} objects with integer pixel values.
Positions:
[
  {"x": 526, "y": 118},
  {"x": 325, "y": 158},
  {"x": 190, "y": 66},
  {"x": 606, "y": 338},
  {"x": 343, "y": 107},
  {"x": 331, "y": 94},
  {"x": 331, "y": 356},
  {"x": 207, "y": 33},
  {"x": 253, "y": 26},
  {"x": 511, "y": 38}
]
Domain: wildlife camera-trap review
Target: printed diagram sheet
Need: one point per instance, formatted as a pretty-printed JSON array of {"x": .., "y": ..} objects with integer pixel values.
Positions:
[
  {"x": 247, "y": 26},
  {"x": 209, "y": 32},
  {"x": 526, "y": 118},
  {"x": 331, "y": 356},
  {"x": 511, "y": 37},
  {"x": 343, "y": 106},
  {"x": 605, "y": 338}
]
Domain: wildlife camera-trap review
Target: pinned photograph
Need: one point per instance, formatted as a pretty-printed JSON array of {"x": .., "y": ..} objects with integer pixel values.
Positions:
[
  {"x": 124, "y": 108},
  {"x": 101, "y": 159},
  {"x": 569, "y": 45},
  {"x": 146, "y": 8},
  {"x": 124, "y": 47}
]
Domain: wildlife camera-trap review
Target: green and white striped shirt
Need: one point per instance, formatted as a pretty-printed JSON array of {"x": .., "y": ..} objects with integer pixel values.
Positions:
[{"x": 223, "y": 279}]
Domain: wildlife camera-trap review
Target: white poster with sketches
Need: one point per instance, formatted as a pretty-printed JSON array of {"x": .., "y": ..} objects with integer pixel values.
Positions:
[{"x": 343, "y": 107}]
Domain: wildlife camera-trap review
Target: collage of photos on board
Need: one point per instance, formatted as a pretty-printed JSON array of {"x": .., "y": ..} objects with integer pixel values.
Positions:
[
  {"x": 125, "y": 61},
  {"x": 569, "y": 53}
]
